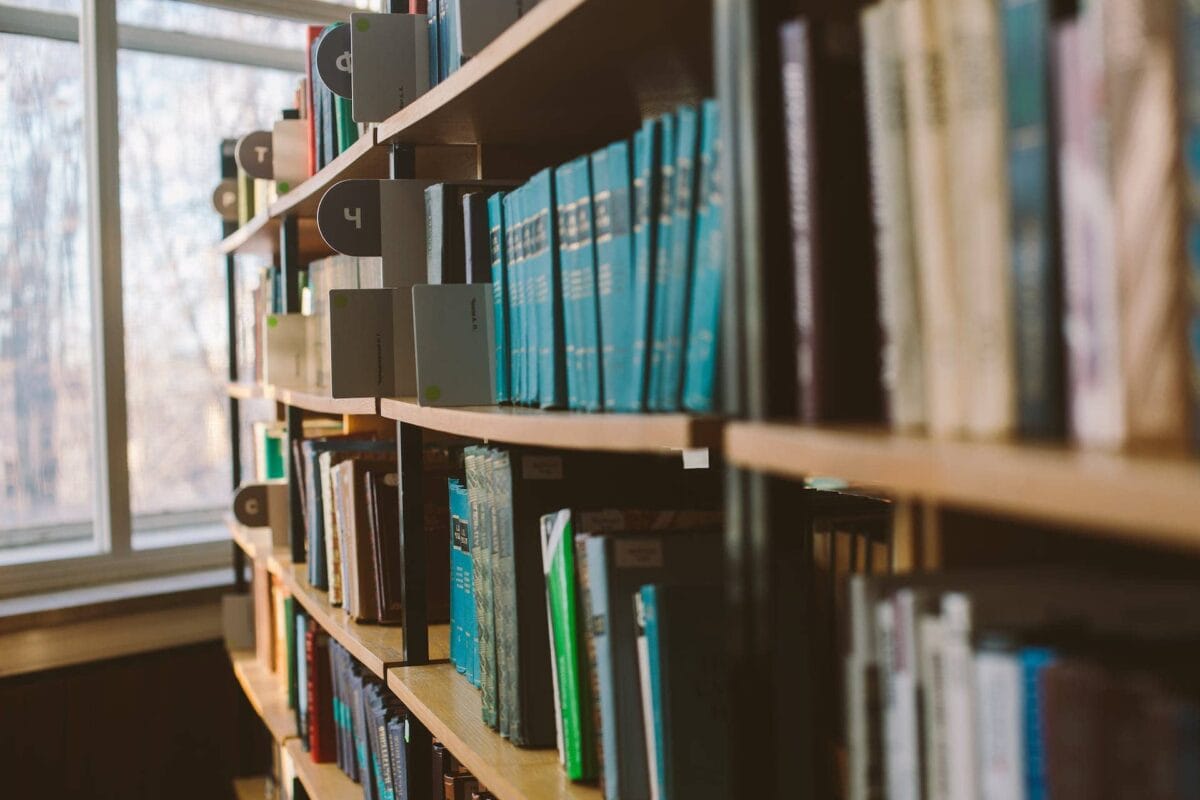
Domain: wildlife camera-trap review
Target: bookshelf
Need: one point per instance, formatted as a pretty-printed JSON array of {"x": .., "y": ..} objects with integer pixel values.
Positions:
[
  {"x": 363, "y": 159},
  {"x": 266, "y": 693},
  {"x": 450, "y": 708},
  {"x": 260, "y": 236},
  {"x": 321, "y": 781}
]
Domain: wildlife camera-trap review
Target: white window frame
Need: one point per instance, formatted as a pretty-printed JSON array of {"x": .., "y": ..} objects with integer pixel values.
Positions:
[{"x": 100, "y": 38}]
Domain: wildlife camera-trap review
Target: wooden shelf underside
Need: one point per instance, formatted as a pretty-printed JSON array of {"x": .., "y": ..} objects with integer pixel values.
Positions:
[{"x": 450, "y": 708}]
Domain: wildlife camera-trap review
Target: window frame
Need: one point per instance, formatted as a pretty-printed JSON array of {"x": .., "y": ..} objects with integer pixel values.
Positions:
[{"x": 100, "y": 37}]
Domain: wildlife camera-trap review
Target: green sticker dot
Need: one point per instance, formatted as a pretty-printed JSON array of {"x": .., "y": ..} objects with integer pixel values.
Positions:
[
  {"x": 283, "y": 186},
  {"x": 433, "y": 393},
  {"x": 363, "y": 24},
  {"x": 340, "y": 301},
  {"x": 272, "y": 322}
]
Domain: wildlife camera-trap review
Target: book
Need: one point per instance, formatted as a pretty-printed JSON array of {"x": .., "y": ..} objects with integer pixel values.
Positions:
[
  {"x": 836, "y": 310},
  {"x": 476, "y": 237},
  {"x": 588, "y": 354},
  {"x": 320, "y": 721},
  {"x": 501, "y": 297},
  {"x": 1189, "y": 54},
  {"x": 647, "y": 195},
  {"x": 1036, "y": 265},
  {"x": 647, "y": 678},
  {"x": 1001, "y": 708},
  {"x": 661, "y": 254},
  {"x": 567, "y": 226},
  {"x": 465, "y": 653},
  {"x": 446, "y": 235},
  {"x": 382, "y": 499},
  {"x": 477, "y": 477},
  {"x": 902, "y": 357},
  {"x": 704, "y": 318},
  {"x": 1034, "y": 661},
  {"x": 679, "y": 267},
  {"x": 435, "y": 56},
  {"x": 543, "y": 264},
  {"x": 612, "y": 196}
]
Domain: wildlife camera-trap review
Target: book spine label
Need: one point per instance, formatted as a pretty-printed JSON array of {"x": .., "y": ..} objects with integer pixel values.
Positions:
[
  {"x": 1036, "y": 269},
  {"x": 500, "y": 294},
  {"x": 662, "y": 260},
  {"x": 682, "y": 251},
  {"x": 699, "y": 380}
]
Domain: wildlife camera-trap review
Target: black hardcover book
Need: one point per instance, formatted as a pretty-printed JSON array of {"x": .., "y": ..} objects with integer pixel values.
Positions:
[
  {"x": 476, "y": 238},
  {"x": 445, "y": 245}
]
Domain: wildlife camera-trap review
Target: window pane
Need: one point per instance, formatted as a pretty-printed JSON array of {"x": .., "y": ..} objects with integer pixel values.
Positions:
[
  {"x": 174, "y": 111},
  {"x": 173, "y": 15},
  {"x": 45, "y": 315},
  {"x": 61, "y": 6}
]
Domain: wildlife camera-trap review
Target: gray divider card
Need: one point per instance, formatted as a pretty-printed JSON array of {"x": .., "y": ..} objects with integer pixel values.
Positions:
[
  {"x": 478, "y": 22},
  {"x": 289, "y": 148},
  {"x": 390, "y": 53},
  {"x": 455, "y": 344},
  {"x": 225, "y": 199},
  {"x": 286, "y": 351},
  {"x": 334, "y": 63},
  {"x": 351, "y": 219},
  {"x": 254, "y": 154},
  {"x": 371, "y": 342}
]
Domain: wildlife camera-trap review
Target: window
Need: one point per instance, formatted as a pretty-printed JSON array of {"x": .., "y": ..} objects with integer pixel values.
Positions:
[{"x": 188, "y": 74}]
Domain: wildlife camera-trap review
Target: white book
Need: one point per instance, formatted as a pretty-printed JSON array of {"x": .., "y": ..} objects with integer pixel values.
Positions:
[
  {"x": 958, "y": 697},
  {"x": 643, "y": 654},
  {"x": 547, "y": 533},
  {"x": 999, "y": 696},
  {"x": 858, "y": 664},
  {"x": 928, "y": 151},
  {"x": 933, "y": 706},
  {"x": 969, "y": 32},
  {"x": 898, "y": 682},
  {"x": 899, "y": 300},
  {"x": 333, "y": 547}
]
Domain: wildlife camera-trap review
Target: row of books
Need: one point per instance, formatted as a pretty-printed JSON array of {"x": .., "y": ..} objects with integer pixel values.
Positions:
[
  {"x": 1022, "y": 685},
  {"x": 349, "y": 488},
  {"x": 607, "y": 273},
  {"x": 582, "y": 576},
  {"x": 459, "y": 29},
  {"x": 1023, "y": 168}
]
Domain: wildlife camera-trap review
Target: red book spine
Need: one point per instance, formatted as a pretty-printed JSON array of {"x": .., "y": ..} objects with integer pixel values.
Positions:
[
  {"x": 310, "y": 112},
  {"x": 321, "y": 735},
  {"x": 418, "y": 6}
]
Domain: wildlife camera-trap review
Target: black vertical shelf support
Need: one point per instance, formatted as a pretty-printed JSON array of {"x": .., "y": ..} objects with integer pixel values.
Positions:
[
  {"x": 768, "y": 535},
  {"x": 289, "y": 263},
  {"x": 229, "y": 170}
]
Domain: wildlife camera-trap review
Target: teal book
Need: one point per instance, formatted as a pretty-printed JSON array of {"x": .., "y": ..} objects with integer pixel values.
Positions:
[
  {"x": 647, "y": 144},
  {"x": 611, "y": 198},
  {"x": 301, "y": 662},
  {"x": 443, "y": 13},
  {"x": 704, "y": 321},
  {"x": 347, "y": 128},
  {"x": 664, "y": 238},
  {"x": 500, "y": 294},
  {"x": 528, "y": 295},
  {"x": 543, "y": 258},
  {"x": 460, "y": 524},
  {"x": 512, "y": 251},
  {"x": 434, "y": 57},
  {"x": 688, "y": 690},
  {"x": 450, "y": 39},
  {"x": 679, "y": 275},
  {"x": 565, "y": 222},
  {"x": 569, "y": 647},
  {"x": 585, "y": 271},
  {"x": 1034, "y": 661},
  {"x": 1189, "y": 54}
]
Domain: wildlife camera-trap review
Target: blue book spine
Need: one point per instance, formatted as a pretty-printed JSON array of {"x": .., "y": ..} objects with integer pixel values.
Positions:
[
  {"x": 709, "y": 257},
  {"x": 597, "y": 567},
  {"x": 512, "y": 252},
  {"x": 1036, "y": 269},
  {"x": 459, "y": 526},
  {"x": 435, "y": 76},
  {"x": 1034, "y": 661},
  {"x": 564, "y": 181},
  {"x": 544, "y": 248},
  {"x": 614, "y": 287},
  {"x": 679, "y": 277},
  {"x": 1190, "y": 111},
  {"x": 646, "y": 145},
  {"x": 589, "y": 313},
  {"x": 302, "y": 672},
  {"x": 529, "y": 295},
  {"x": 444, "y": 39},
  {"x": 654, "y": 656},
  {"x": 500, "y": 295},
  {"x": 453, "y": 42},
  {"x": 662, "y": 260}
]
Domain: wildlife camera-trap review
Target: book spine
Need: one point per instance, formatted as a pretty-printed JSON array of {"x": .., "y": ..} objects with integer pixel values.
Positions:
[
  {"x": 1000, "y": 708},
  {"x": 662, "y": 259},
  {"x": 932, "y": 707},
  {"x": 310, "y": 93},
  {"x": 587, "y": 632},
  {"x": 969, "y": 33},
  {"x": 650, "y": 674},
  {"x": 546, "y": 531},
  {"x": 1036, "y": 278},
  {"x": 646, "y": 144},
  {"x": 312, "y": 707},
  {"x": 1140, "y": 55},
  {"x": 476, "y": 238},
  {"x": 619, "y": 781},
  {"x": 435, "y": 59},
  {"x": 959, "y": 711},
  {"x": 501, "y": 296},
  {"x": 476, "y": 468},
  {"x": 512, "y": 266},
  {"x": 615, "y": 331},
  {"x": 928, "y": 144},
  {"x": 435, "y": 233},
  {"x": 704, "y": 321},
  {"x": 1034, "y": 662},
  {"x": 504, "y": 599},
  {"x": 551, "y": 368},
  {"x": 460, "y": 522},
  {"x": 564, "y": 178},
  {"x": 322, "y": 732},
  {"x": 1190, "y": 144},
  {"x": 682, "y": 250},
  {"x": 602, "y": 237},
  {"x": 444, "y": 38},
  {"x": 453, "y": 36},
  {"x": 347, "y": 128},
  {"x": 289, "y": 624},
  {"x": 588, "y": 314},
  {"x": 899, "y": 309}
]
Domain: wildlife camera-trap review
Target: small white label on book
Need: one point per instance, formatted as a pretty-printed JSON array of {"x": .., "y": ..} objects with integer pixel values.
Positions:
[
  {"x": 638, "y": 554},
  {"x": 695, "y": 458},
  {"x": 542, "y": 468}
]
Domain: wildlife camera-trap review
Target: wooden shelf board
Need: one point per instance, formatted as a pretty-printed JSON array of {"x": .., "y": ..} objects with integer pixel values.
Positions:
[
  {"x": 569, "y": 76},
  {"x": 1143, "y": 498},
  {"x": 376, "y": 646},
  {"x": 450, "y": 708},
  {"x": 363, "y": 159},
  {"x": 257, "y": 788},
  {"x": 257, "y": 545},
  {"x": 321, "y": 403},
  {"x": 260, "y": 237},
  {"x": 322, "y": 781},
  {"x": 266, "y": 693},
  {"x": 571, "y": 430},
  {"x": 245, "y": 390}
]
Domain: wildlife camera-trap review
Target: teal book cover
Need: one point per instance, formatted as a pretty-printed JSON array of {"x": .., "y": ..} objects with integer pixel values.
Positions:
[
  {"x": 512, "y": 252},
  {"x": 1034, "y": 661},
  {"x": 699, "y": 383},
  {"x": 434, "y": 57},
  {"x": 460, "y": 525},
  {"x": 680, "y": 270},
  {"x": 664, "y": 238},
  {"x": 1189, "y": 53},
  {"x": 548, "y": 301},
  {"x": 611, "y": 198},
  {"x": 524, "y": 231},
  {"x": 443, "y": 13},
  {"x": 585, "y": 270},
  {"x": 500, "y": 294},
  {"x": 564, "y": 184},
  {"x": 647, "y": 143}
]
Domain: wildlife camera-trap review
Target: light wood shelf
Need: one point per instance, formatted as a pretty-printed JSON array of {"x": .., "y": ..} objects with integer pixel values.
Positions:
[
  {"x": 363, "y": 159},
  {"x": 256, "y": 788},
  {"x": 450, "y": 708},
  {"x": 244, "y": 390},
  {"x": 561, "y": 429},
  {"x": 322, "y": 403},
  {"x": 256, "y": 543},
  {"x": 1139, "y": 498},
  {"x": 322, "y": 781},
  {"x": 376, "y": 646},
  {"x": 260, "y": 237},
  {"x": 266, "y": 692}
]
